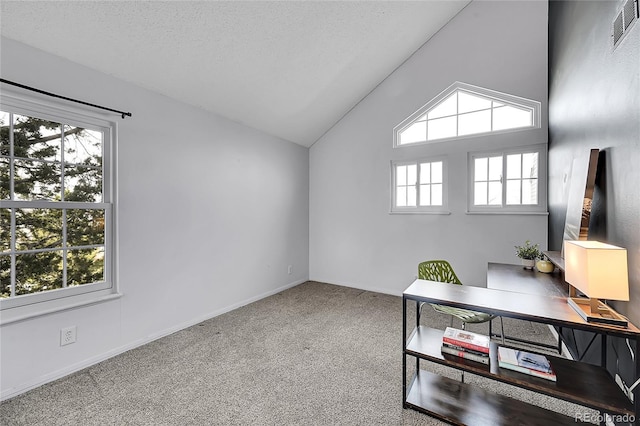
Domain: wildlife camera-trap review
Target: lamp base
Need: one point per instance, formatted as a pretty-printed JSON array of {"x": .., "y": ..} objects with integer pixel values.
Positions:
[{"x": 593, "y": 310}]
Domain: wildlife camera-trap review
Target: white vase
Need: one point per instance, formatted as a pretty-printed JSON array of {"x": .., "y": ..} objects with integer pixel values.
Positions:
[{"x": 528, "y": 263}]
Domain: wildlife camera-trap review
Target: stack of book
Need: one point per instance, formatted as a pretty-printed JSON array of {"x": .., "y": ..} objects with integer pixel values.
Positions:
[
  {"x": 526, "y": 362},
  {"x": 465, "y": 344}
]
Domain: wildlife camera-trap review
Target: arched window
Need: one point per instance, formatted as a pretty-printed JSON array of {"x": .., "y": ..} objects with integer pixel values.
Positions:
[{"x": 463, "y": 110}]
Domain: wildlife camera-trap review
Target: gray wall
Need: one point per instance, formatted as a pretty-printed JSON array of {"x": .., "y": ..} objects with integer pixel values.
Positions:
[
  {"x": 210, "y": 215},
  {"x": 594, "y": 102},
  {"x": 354, "y": 241}
]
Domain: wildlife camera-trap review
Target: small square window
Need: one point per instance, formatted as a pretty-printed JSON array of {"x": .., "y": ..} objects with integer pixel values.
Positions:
[
  {"x": 508, "y": 181},
  {"x": 419, "y": 186}
]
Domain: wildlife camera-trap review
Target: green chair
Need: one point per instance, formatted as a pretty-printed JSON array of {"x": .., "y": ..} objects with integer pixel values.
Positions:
[{"x": 441, "y": 271}]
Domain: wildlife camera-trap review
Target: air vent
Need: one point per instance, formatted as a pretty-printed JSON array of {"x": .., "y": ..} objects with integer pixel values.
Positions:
[
  {"x": 618, "y": 29},
  {"x": 627, "y": 16},
  {"x": 630, "y": 11}
]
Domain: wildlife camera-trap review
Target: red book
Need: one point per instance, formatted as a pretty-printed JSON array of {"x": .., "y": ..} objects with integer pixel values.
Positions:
[
  {"x": 467, "y": 339},
  {"x": 466, "y": 355},
  {"x": 460, "y": 348}
]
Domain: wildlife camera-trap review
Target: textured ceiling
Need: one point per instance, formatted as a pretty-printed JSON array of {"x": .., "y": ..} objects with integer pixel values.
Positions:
[{"x": 289, "y": 68}]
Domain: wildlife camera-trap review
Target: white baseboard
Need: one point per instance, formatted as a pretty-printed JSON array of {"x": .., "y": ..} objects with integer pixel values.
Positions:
[
  {"x": 362, "y": 287},
  {"x": 55, "y": 375}
]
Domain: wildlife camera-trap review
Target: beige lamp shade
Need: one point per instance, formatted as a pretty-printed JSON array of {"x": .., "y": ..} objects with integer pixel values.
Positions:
[{"x": 597, "y": 269}]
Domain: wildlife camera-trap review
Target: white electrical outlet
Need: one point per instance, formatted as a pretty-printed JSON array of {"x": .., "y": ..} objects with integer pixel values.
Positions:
[
  {"x": 290, "y": 269},
  {"x": 67, "y": 335}
]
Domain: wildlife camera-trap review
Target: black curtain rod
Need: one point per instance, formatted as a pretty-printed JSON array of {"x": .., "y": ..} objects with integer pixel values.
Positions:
[{"x": 33, "y": 89}]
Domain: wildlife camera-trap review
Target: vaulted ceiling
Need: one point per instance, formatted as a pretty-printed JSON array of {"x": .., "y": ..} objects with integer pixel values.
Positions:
[{"x": 289, "y": 68}]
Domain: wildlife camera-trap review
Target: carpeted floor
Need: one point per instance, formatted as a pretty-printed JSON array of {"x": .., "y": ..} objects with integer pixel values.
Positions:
[{"x": 316, "y": 354}]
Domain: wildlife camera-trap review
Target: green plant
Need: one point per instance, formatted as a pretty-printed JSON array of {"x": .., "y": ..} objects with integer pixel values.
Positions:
[{"x": 528, "y": 251}]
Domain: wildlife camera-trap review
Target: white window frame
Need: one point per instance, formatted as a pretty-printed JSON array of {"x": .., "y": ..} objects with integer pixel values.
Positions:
[
  {"x": 493, "y": 95},
  {"x": 20, "y": 307},
  {"x": 418, "y": 209},
  {"x": 503, "y": 208}
]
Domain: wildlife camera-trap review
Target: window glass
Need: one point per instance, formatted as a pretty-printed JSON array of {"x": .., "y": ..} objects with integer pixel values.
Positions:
[
  {"x": 54, "y": 207},
  {"x": 509, "y": 117},
  {"x": 4, "y": 125},
  {"x": 38, "y": 229},
  {"x": 488, "y": 181},
  {"x": 82, "y": 146},
  {"x": 36, "y": 180},
  {"x": 418, "y": 185},
  {"x": 411, "y": 196},
  {"x": 401, "y": 199},
  {"x": 465, "y": 110},
  {"x": 436, "y": 172},
  {"x": 480, "y": 193},
  {"x": 442, "y": 128},
  {"x": 85, "y": 227},
  {"x": 468, "y": 102},
  {"x": 514, "y": 170},
  {"x": 4, "y": 178},
  {"x": 436, "y": 194},
  {"x": 5, "y": 230},
  {"x": 495, "y": 193},
  {"x": 5, "y": 276},
  {"x": 85, "y": 266},
  {"x": 412, "y": 176},
  {"x": 425, "y": 195},
  {"x": 37, "y": 272},
  {"x": 401, "y": 175},
  {"x": 445, "y": 108},
  {"x": 495, "y": 168},
  {"x": 513, "y": 192},
  {"x": 474, "y": 122},
  {"x": 425, "y": 173},
  {"x": 481, "y": 169},
  {"x": 36, "y": 139},
  {"x": 521, "y": 187},
  {"x": 530, "y": 164},
  {"x": 417, "y": 132},
  {"x": 529, "y": 191},
  {"x": 82, "y": 183}
]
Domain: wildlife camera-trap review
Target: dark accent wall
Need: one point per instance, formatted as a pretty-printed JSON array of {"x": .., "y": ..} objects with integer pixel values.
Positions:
[{"x": 594, "y": 102}]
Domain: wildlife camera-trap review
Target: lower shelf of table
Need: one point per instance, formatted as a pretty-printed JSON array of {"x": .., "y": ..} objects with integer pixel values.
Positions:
[
  {"x": 463, "y": 404},
  {"x": 577, "y": 382}
]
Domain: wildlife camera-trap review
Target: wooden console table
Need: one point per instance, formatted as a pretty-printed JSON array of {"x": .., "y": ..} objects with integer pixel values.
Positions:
[
  {"x": 460, "y": 403},
  {"x": 501, "y": 276}
]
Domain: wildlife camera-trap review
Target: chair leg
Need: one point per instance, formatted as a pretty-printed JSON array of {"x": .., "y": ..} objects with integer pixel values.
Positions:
[{"x": 502, "y": 330}]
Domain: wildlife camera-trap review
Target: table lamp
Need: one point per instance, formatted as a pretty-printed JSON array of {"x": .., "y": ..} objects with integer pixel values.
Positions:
[{"x": 599, "y": 271}]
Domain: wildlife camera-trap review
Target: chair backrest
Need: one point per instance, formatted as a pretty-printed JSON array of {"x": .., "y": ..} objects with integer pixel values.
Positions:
[{"x": 437, "y": 270}]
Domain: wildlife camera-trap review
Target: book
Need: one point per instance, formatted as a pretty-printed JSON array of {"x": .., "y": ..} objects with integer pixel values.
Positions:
[
  {"x": 484, "y": 359},
  {"x": 524, "y": 359},
  {"x": 526, "y": 362},
  {"x": 466, "y": 339},
  {"x": 461, "y": 348}
]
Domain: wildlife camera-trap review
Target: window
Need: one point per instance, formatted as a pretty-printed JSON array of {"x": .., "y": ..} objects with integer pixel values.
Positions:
[
  {"x": 55, "y": 204},
  {"x": 511, "y": 181},
  {"x": 419, "y": 186},
  {"x": 464, "y": 110}
]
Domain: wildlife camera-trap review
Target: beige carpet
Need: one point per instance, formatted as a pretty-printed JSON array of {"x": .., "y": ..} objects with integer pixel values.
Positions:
[{"x": 316, "y": 354}]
